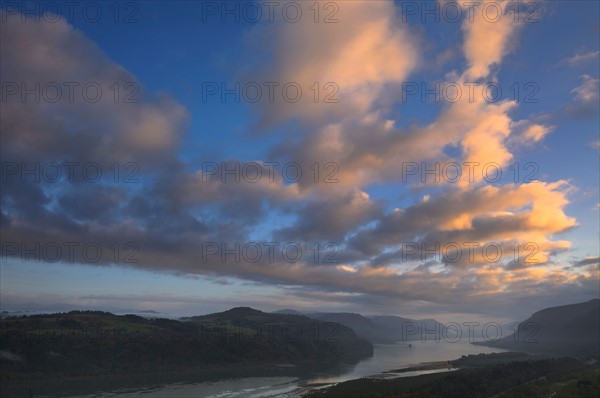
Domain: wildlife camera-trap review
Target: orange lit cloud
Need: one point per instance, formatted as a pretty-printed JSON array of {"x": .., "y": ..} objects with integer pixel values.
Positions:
[
  {"x": 365, "y": 50},
  {"x": 487, "y": 37}
]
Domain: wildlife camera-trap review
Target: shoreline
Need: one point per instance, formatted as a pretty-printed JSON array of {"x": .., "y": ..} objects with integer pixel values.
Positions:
[
  {"x": 302, "y": 384},
  {"x": 422, "y": 366},
  {"x": 419, "y": 369},
  {"x": 414, "y": 370}
]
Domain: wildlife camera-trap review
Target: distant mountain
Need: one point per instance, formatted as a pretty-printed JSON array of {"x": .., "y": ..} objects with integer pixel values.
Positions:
[
  {"x": 288, "y": 312},
  {"x": 390, "y": 320},
  {"x": 411, "y": 329},
  {"x": 382, "y": 329},
  {"x": 237, "y": 313},
  {"x": 568, "y": 329},
  {"x": 149, "y": 312},
  {"x": 361, "y": 325},
  {"x": 81, "y": 343}
]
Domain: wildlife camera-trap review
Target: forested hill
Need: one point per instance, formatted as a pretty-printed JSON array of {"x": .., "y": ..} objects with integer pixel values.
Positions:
[
  {"x": 568, "y": 330},
  {"x": 93, "y": 342}
]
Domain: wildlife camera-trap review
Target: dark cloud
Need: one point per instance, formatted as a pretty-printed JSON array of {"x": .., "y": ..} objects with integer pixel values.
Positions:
[
  {"x": 587, "y": 261},
  {"x": 331, "y": 219}
]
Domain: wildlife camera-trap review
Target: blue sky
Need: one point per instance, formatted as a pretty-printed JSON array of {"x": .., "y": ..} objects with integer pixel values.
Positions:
[{"x": 173, "y": 51}]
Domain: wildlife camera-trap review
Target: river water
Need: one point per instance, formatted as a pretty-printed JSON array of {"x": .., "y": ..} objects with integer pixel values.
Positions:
[{"x": 283, "y": 380}]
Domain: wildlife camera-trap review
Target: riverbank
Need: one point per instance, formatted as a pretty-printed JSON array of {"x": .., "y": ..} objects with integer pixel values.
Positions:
[
  {"x": 426, "y": 368},
  {"x": 246, "y": 380},
  {"x": 475, "y": 378},
  {"x": 420, "y": 369}
]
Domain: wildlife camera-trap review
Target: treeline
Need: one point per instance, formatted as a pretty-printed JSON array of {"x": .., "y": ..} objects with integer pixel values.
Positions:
[
  {"x": 99, "y": 343},
  {"x": 485, "y": 381}
]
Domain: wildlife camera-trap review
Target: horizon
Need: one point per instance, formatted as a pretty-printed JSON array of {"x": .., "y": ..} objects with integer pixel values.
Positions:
[
  {"x": 359, "y": 157},
  {"x": 149, "y": 313}
]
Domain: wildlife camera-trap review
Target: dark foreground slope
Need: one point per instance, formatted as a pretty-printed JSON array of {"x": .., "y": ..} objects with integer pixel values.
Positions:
[
  {"x": 556, "y": 377},
  {"x": 572, "y": 330},
  {"x": 93, "y": 343}
]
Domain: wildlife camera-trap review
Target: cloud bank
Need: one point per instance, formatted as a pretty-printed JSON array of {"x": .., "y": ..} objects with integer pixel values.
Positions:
[{"x": 176, "y": 211}]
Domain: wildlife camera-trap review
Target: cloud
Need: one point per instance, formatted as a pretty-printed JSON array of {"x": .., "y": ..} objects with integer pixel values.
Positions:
[
  {"x": 511, "y": 213},
  {"x": 362, "y": 54},
  {"x": 487, "y": 40},
  {"x": 368, "y": 147},
  {"x": 585, "y": 104},
  {"x": 332, "y": 218},
  {"x": 587, "y": 261},
  {"x": 90, "y": 123},
  {"x": 176, "y": 208},
  {"x": 529, "y": 133},
  {"x": 579, "y": 58},
  {"x": 484, "y": 143},
  {"x": 536, "y": 132},
  {"x": 587, "y": 91}
]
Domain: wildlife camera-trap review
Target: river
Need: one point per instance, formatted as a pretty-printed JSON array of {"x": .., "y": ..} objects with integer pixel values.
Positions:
[{"x": 283, "y": 380}]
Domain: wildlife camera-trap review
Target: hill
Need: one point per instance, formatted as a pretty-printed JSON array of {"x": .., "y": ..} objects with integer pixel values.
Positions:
[
  {"x": 288, "y": 311},
  {"x": 492, "y": 377},
  {"x": 361, "y": 325},
  {"x": 384, "y": 329},
  {"x": 94, "y": 343},
  {"x": 568, "y": 329},
  {"x": 306, "y": 337}
]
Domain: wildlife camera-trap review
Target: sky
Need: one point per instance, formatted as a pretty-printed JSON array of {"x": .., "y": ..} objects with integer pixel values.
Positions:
[{"x": 424, "y": 159}]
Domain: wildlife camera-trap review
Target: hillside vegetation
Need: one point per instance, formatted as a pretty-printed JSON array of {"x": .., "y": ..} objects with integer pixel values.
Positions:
[
  {"x": 93, "y": 343},
  {"x": 572, "y": 330}
]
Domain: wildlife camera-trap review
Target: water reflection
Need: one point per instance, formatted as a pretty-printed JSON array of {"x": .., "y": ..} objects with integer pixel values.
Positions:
[{"x": 251, "y": 381}]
